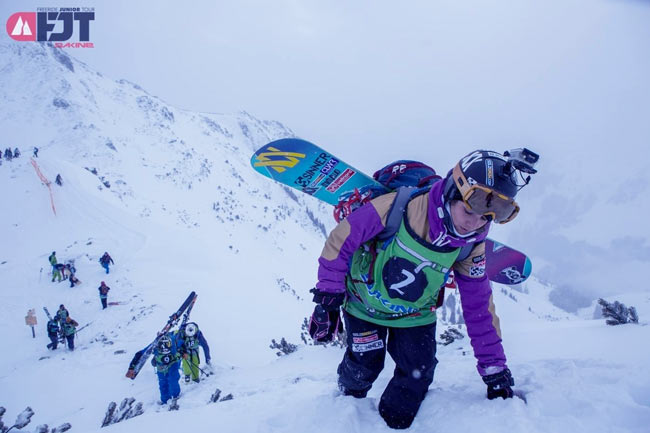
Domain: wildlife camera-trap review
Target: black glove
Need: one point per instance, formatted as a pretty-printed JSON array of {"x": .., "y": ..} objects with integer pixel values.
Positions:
[
  {"x": 499, "y": 385},
  {"x": 329, "y": 301},
  {"x": 325, "y": 320}
]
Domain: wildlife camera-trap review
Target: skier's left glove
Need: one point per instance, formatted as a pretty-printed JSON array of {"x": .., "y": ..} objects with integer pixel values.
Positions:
[
  {"x": 325, "y": 320},
  {"x": 499, "y": 385}
]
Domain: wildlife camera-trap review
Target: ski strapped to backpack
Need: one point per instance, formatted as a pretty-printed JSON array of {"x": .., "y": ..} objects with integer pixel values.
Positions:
[
  {"x": 141, "y": 356},
  {"x": 186, "y": 315}
]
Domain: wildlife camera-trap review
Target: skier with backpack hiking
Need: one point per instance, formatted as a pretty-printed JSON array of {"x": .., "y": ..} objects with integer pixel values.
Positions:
[
  {"x": 166, "y": 356},
  {"x": 103, "y": 294},
  {"x": 53, "y": 333},
  {"x": 192, "y": 338},
  {"x": 386, "y": 262},
  {"x": 106, "y": 260},
  {"x": 69, "y": 330},
  {"x": 55, "y": 269}
]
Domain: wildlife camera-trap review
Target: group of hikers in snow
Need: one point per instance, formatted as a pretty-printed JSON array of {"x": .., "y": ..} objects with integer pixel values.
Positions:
[
  {"x": 68, "y": 271},
  {"x": 61, "y": 271},
  {"x": 9, "y": 155},
  {"x": 61, "y": 327},
  {"x": 175, "y": 350}
]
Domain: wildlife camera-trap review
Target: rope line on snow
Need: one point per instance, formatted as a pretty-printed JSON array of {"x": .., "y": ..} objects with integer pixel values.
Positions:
[{"x": 45, "y": 181}]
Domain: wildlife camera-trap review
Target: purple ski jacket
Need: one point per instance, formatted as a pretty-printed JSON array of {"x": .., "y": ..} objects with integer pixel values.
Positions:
[{"x": 425, "y": 215}]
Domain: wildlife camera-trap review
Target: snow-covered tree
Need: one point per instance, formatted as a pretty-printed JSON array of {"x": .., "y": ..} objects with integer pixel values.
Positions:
[{"x": 617, "y": 313}]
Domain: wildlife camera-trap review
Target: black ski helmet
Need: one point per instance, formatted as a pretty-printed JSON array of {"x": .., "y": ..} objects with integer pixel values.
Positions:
[
  {"x": 487, "y": 183},
  {"x": 164, "y": 344}
]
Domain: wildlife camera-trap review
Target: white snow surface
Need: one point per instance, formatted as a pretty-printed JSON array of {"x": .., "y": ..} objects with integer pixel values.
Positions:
[{"x": 184, "y": 212}]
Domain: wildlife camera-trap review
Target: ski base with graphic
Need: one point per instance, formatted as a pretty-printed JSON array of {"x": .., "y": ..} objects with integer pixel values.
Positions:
[{"x": 312, "y": 170}]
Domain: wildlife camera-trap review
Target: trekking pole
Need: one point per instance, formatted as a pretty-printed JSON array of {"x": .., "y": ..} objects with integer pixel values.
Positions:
[
  {"x": 200, "y": 369},
  {"x": 79, "y": 329}
]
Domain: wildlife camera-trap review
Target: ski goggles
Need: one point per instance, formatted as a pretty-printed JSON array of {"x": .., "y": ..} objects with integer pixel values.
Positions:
[{"x": 485, "y": 201}]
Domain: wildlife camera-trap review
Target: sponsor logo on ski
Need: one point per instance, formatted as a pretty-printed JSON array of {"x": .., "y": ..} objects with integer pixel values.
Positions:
[
  {"x": 340, "y": 181},
  {"x": 512, "y": 274},
  {"x": 278, "y": 160},
  {"x": 40, "y": 26},
  {"x": 320, "y": 174},
  {"x": 329, "y": 166}
]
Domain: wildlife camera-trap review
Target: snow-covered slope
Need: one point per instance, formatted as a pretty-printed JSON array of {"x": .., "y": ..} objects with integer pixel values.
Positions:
[{"x": 169, "y": 193}]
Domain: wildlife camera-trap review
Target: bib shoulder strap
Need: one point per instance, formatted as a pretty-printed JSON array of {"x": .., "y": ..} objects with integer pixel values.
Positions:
[{"x": 396, "y": 212}]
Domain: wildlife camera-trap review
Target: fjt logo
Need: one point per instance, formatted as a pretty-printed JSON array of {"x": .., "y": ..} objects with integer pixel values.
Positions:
[{"x": 52, "y": 25}]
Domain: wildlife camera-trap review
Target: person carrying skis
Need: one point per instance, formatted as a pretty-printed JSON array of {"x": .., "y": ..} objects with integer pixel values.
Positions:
[
  {"x": 103, "y": 294},
  {"x": 192, "y": 338},
  {"x": 105, "y": 260},
  {"x": 166, "y": 356},
  {"x": 389, "y": 289},
  {"x": 69, "y": 329},
  {"x": 53, "y": 333}
]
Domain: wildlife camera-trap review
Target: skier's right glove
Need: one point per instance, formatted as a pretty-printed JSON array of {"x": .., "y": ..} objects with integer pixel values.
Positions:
[
  {"x": 329, "y": 301},
  {"x": 325, "y": 320},
  {"x": 499, "y": 385}
]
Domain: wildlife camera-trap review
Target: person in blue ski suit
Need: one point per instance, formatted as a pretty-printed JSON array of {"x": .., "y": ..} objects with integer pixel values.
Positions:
[
  {"x": 106, "y": 260},
  {"x": 166, "y": 358}
]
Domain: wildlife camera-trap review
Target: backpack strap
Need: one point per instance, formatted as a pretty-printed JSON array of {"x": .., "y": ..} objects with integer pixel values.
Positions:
[
  {"x": 396, "y": 212},
  {"x": 465, "y": 251}
]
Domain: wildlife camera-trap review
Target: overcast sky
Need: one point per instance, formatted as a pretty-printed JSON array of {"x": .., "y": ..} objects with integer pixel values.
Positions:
[
  {"x": 412, "y": 77},
  {"x": 377, "y": 80}
]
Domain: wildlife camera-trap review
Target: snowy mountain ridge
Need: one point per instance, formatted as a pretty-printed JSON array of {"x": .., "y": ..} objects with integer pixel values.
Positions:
[{"x": 170, "y": 194}]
